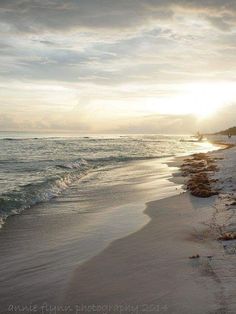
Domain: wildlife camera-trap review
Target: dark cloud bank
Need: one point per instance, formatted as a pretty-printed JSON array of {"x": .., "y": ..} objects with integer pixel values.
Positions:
[{"x": 37, "y": 16}]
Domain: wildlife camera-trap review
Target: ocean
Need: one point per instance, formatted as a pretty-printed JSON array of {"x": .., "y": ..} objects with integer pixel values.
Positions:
[{"x": 36, "y": 168}]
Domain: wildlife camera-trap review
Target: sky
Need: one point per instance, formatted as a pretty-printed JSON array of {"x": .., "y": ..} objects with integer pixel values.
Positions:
[{"x": 117, "y": 66}]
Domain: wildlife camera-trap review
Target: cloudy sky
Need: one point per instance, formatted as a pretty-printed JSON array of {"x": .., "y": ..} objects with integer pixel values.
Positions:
[{"x": 117, "y": 65}]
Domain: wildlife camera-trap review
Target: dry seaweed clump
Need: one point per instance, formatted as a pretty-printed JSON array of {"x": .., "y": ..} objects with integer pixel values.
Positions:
[
  {"x": 194, "y": 256},
  {"x": 227, "y": 236},
  {"x": 199, "y": 169}
]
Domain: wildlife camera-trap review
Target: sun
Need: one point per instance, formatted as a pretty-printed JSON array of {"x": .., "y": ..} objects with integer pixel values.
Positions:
[
  {"x": 205, "y": 99},
  {"x": 199, "y": 99},
  {"x": 202, "y": 106}
]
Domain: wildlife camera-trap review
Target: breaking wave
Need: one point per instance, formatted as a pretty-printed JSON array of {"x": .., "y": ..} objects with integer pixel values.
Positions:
[{"x": 16, "y": 201}]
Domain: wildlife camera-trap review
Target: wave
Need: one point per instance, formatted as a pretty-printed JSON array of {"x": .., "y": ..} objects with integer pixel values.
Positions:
[
  {"x": 26, "y": 196},
  {"x": 126, "y": 158},
  {"x": 73, "y": 165},
  {"x": 11, "y": 139}
]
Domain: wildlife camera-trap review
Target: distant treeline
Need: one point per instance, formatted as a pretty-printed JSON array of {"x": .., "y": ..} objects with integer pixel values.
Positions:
[{"x": 231, "y": 131}]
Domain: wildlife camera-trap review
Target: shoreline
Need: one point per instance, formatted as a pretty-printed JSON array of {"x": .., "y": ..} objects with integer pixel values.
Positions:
[
  {"x": 225, "y": 145},
  {"x": 5, "y": 219},
  {"x": 49, "y": 242},
  {"x": 130, "y": 272}
]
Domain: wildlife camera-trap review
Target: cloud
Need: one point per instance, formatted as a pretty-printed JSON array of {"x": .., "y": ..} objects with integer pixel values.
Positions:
[
  {"x": 36, "y": 16},
  {"x": 162, "y": 124},
  {"x": 7, "y": 122},
  {"x": 118, "y": 54},
  {"x": 224, "y": 118}
]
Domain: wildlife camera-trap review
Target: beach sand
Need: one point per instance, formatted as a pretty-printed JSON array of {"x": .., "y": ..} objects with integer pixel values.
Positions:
[{"x": 152, "y": 270}]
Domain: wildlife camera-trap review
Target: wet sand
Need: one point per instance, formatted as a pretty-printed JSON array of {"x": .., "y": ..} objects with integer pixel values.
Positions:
[{"x": 152, "y": 266}]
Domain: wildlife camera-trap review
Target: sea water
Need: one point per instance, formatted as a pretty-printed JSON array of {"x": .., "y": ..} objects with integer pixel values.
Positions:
[{"x": 35, "y": 168}]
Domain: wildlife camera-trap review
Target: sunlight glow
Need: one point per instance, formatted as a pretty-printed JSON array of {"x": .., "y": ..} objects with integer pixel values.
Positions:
[{"x": 200, "y": 99}]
